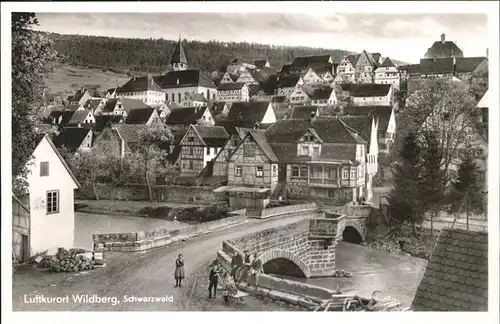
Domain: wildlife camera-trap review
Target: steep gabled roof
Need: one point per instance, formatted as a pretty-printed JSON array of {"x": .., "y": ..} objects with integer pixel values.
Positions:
[
  {"x": 129, "y": 104},
  {"x": 129, "y": 132},
  {"x": 387, "y": 63},
  {"x": 212, "y": 136},
  {"x": 110, "y": 91},
  {"x": 241, "y": 60},
  {"x": 437, "y": 66},
  {"x": 259, "y": 137},
  {"x": 468, "y": 64},
  {"x": 71, "y": 138},
  {"x": 139, "y": 116},
  {"x": 135, "y": 84},
  {"x": 334, "y": 130},
  {"x": 367, "y": 89},
  {"x": 362, "y": 124},
  {"x": 353, "y": 58},
  {"x": 249, "y": 112},
  {"x": 306, "y": 61},
  {"x": 260, "y": 63},
  {"x": 186, "y": 78},
  {"x": 446, "y": 49},
  {"x": 79, "y": 116},
  {"x": 303, "y": 112},
  {"x": 320, "y": 93},
  {"x": 110, "y": 105},
  {"x": 92, "y": 104},
  {"x": 382, "y": 114},
  {"x": 285, "y": 69},
  {"x": 185, "y": 116},
  {"x": 230, "y": 86},
  {"x": 178, "y": 56},
  {"x": 288, "y": 81},
  {"x": 287, "y": 130},
  {"x": 456, "y": 276}
]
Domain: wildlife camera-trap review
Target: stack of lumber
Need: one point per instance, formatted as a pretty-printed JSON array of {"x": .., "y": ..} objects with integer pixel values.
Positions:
[
  {"x": 353, "y": 303},
  {"x": 68, "y": 261}
]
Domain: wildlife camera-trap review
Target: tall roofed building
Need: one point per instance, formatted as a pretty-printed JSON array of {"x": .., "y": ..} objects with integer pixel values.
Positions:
[
  {"x": 178, "y": 61},
  {"x": 443, "y": 49}
]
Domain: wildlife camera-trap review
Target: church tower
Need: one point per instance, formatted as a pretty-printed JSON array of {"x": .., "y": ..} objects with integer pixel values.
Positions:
[{"x": 178, "y": 62}]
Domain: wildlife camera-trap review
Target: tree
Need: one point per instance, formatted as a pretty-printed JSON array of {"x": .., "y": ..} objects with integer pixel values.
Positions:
[
  {"x": 150, "y": 154},
  {"x": 445, "y": 107},
  {"x": 431, "y": 190},
  {"x": 404, "y": 198},
  {"x": 467, "y": 190},
  {"x": 32, "y": 54},
  {"x": 88, "y": 167}
]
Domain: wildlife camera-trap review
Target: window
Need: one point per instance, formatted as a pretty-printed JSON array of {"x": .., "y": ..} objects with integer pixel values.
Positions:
[
  {"x": 191, "y": 166},
  {"x": 305, "y": 150},
  {"x": 208, "y": 150},
  {"x": 52, "y": 201},
  {"x": 353, "y": 173},
  {"x": 191, "y": 151},
  {"x": 345, "y": 174},
  {"x": 295, "y": 171},
  {"x": 238, "y": 171},
  {"x": 191, "y": 139},
  {"x": 260, "y": 172},
  {"x": 173, "y": 97},
  {"x": 303, "y": 171},
  {"x": 179, "y": 96},
  {"x": 44, "y": 169},
  {"x": 333, "y": 173},
  {"x": 275, "y": 170}
]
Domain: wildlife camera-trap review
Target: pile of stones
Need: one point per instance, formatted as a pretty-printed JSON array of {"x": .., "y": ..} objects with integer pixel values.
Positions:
[{"x": 72, "y": 260}]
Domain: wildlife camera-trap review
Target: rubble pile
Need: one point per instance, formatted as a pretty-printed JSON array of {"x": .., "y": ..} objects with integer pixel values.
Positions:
[{"x": 72, "y": 260}]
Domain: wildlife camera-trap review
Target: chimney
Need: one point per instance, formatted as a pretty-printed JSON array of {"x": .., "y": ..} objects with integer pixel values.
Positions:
[
  {"x": 177, "y": 81},
  {"x": 256, "y": 126},
  {"x": 487, "y": 52},
  {"x": 443, "y": 37},
  {"x": 134, "y": 77}
]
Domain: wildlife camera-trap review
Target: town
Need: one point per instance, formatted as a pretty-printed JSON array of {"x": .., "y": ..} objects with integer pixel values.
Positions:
[{"x": 293, "y": 166}]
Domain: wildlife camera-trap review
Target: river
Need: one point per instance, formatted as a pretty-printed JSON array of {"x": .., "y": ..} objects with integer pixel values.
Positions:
[{"x": 392, "y": 274}]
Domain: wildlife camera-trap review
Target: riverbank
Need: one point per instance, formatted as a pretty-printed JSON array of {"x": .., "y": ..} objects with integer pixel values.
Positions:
[
  {"x": 198, "y": 297},
  {"x": 402, "y": 240}
]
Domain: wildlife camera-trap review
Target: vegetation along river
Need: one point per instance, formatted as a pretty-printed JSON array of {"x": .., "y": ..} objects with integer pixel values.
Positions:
[{"x": 392, "y": 274}]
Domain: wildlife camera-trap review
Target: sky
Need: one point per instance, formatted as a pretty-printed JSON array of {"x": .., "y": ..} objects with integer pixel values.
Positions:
[{"x": 403, "y": 37}]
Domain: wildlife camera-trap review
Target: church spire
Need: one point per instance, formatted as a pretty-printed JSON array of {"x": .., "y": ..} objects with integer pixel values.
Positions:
[{"x": 178, "y": 62}]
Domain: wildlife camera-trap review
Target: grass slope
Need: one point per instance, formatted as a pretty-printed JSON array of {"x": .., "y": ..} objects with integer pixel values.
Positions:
[{"x": 67, "y": 79}]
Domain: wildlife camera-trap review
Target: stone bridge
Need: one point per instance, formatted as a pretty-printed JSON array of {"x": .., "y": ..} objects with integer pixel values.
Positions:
[{"x": 305, "y": 248}]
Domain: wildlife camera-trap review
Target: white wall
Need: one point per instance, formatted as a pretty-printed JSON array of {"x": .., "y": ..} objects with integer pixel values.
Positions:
[
  {"x": 50, "y": 231},
  {"x": 269, "y": 116},
  {"x": 149, "y": 97},
  {"x": 209, "y": 154},
  {"x": 372, "y": 101},
  {"x": 185, "y": 90}
]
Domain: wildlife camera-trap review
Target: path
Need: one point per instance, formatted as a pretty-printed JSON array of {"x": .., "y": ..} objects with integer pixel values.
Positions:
[{"x": 147, "y": 274}]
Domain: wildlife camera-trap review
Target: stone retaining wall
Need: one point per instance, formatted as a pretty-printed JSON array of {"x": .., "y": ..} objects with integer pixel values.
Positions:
[
  {"x": 141, "y": 241},
  {"x": 295, "y": 293},
  {"x": 139, "y": 192},
  {"x": 281, "y": 210}
]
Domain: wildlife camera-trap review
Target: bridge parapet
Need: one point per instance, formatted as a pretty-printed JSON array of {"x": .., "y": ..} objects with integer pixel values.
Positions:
[{"x": 310, "y": 244}]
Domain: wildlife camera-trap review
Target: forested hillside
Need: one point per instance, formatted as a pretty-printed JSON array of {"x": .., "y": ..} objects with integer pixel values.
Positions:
[{"x": 153, "y": 55}]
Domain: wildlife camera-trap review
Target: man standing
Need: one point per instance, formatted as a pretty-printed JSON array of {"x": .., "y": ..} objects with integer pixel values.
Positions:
[
  {"x": 214, "y": 280},
  {"x": 236, "y": 262}
]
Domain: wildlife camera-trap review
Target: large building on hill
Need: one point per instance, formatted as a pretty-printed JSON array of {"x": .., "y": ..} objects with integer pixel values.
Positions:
[
  {"x": 181, "y": 81},
  {"x": 443, "y": 49}
]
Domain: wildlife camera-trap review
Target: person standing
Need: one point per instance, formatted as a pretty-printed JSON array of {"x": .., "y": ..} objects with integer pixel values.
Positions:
[
  {"x": 214, "y": 281},
  {"x": 179, "y": 270},
  {"x": 236, "y": 262}
]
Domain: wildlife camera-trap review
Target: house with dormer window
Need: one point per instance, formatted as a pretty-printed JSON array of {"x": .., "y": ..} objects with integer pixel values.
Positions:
[
  {"x": 288, "y": 83},
  {"x": 388, "y": 73},
  {"x": 346, "y": 69}
]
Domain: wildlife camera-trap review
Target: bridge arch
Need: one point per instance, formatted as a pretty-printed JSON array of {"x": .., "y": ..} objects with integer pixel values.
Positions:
[
  {"x": 284, "y": 254},
  {"x": 353, "y": 233}
]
